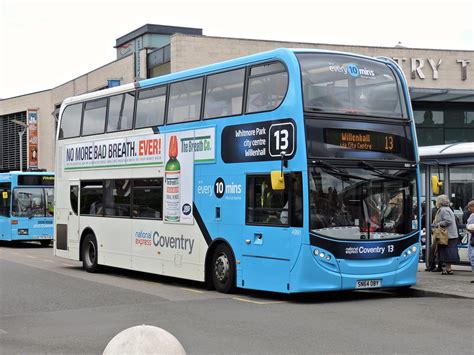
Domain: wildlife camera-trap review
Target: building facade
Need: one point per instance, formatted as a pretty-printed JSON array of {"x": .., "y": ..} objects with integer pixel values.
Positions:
[{"x": 441, "y": 86}]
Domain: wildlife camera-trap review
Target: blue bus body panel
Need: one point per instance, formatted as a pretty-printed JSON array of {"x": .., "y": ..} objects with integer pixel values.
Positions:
[
  {"x": 275, "y": 258},
  {"x": 39, "y": 228},
  {"x": 5, "y": 228}
]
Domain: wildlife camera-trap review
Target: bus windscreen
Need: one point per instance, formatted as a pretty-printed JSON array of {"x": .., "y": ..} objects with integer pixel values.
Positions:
[{"x": 345, "y": 84}]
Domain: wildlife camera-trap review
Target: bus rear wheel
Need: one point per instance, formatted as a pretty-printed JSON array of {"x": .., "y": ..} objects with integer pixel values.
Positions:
[
  {"x": 89, "y": 253},
  {"x": 223, "y": 269}
]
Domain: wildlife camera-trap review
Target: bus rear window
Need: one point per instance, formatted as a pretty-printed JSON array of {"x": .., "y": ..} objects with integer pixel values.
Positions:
[
  {"x": 350, "y": 85},
  {"x": 71, "y": 121}
]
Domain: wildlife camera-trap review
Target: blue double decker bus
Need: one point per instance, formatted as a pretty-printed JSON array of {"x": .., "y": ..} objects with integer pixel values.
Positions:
[
  {"x": 287, "y": 171},
  {"x": 26, "y": 206}
]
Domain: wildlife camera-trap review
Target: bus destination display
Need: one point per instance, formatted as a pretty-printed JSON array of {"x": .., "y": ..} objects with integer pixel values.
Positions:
[
  {"x": 362, "y": 140},
  {"x": 36, "y": 180}
]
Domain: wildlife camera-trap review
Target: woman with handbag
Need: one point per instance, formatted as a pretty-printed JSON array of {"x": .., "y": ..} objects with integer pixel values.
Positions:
[{"x": 445, "y": 224}]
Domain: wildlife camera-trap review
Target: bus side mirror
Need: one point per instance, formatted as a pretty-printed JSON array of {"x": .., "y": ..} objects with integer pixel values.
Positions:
[
  {"x": 278, "y": 180},
  {"x": 435, "y": 185},
  {"x": 5, "y": 195}
]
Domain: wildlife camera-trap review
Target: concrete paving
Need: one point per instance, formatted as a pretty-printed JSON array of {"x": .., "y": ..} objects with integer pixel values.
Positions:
[{"x": 456, "y": 285}]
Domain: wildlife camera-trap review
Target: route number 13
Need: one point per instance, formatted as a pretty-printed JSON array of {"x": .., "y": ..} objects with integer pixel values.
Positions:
[{"x": 282, "y": 139}]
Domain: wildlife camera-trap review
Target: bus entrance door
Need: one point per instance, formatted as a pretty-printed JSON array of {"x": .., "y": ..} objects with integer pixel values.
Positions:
[
  {"x": 265, "y": 258},
  {"x": 73, "y": 215}
]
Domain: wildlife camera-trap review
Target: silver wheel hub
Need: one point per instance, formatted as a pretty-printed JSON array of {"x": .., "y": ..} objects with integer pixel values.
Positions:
[
  {"x": 221, "y": 268},
  {"x": 91, "y": 252}
]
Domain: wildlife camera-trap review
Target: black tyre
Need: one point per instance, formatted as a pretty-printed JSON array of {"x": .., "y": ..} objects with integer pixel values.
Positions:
[
  {"x": 223, "y": 269},
  {"x": 45, "y": 243},
  {"x": 405, "y": 291},
  {"x": 89, "y": 253}
]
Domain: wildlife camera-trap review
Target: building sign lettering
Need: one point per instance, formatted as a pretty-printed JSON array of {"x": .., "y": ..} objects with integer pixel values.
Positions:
[{"x": 417, "y": 65}]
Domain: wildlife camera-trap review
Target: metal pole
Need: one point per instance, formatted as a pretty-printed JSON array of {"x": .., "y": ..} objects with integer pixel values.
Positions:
[
  {"x": 20, "y": 134},
  {"x": 427, "y": 214}
]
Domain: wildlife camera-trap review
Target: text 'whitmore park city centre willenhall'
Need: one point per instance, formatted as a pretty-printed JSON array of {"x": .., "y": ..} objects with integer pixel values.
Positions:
[{"x": 254, "y": 147}]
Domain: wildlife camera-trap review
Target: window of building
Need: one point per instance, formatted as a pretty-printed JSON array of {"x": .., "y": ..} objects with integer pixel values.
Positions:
[
  {"x": 265, "y": 205},
  {"x": 185, "y": 101},
  {"x": 459, "y": 126},
  {"x": 266, "y": 87},
  {"x": 120, "y": 115},
  {"x": 91, "y": 198},
  {"x": 429, "y": 127},
  {"x": 148, "y": 198},
  {"x": 117, "y": 198},
  {"x": 94, "y": 117},
  {"x": 151, "y": 107},
  {"x": 71, "y": 121},
  {"x": 450, "y": 123},
  {"x": 224, "y": 94}
]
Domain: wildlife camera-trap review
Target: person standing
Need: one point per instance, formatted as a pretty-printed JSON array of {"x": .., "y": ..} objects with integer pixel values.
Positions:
[
  {"x": 470, "y": 228},
  {"x": 448, "y": 254}
]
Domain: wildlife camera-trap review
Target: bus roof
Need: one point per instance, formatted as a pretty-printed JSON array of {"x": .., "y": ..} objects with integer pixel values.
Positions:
[
  {"x": 462, "y": 152},
  {"x": 228, "y": 64},
  {"x": 7, "y": 177}
]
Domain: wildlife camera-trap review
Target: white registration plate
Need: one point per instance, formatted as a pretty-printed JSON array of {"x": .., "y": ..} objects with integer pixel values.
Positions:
[
  {"x": 45, "y": 237},
  {"x": 368, "y": 284}
]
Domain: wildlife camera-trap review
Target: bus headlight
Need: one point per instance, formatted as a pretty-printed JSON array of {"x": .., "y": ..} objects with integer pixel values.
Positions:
[
  {"x": 23, "y": 231},
  {"x": 413, "y": 249}
]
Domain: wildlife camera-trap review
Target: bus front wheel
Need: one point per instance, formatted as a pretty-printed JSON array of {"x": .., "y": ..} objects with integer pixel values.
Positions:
[
  {"x": 89, "y": 253},
  {"x": 45, "y": 243},
  {"x": 223, "y": 269}
]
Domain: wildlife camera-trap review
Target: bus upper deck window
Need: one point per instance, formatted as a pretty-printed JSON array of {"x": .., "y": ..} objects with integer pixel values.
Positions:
[
  {"x": 94, "y": 117},
  {"x": 267, "y": 87},
  {"x": 151, "y": 107}
]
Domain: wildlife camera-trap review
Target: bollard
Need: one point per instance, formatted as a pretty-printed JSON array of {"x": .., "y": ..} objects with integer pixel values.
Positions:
[{"x": 144, "y": 339}]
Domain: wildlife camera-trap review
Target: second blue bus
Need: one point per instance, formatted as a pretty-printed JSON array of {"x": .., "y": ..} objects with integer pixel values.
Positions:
[{"x": 27, "y": 206}]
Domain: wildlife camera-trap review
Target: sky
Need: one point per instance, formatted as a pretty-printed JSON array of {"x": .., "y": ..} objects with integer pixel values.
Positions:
[{"x": 46, "y": 43}]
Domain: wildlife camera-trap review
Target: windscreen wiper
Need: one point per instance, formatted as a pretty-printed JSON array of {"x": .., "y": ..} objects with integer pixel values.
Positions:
[
  {"x": 313, "y": 109},
  {"x": 331, "y": 169},
  {"x": 367, "y": 166}
]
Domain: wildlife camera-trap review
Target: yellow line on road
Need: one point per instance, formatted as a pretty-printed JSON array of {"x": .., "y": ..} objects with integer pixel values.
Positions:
[
  {"x": 257, "y": 302},
  {"x": 31, "y": 257},
  {"x": 191, "y": 290},
  {"x": 47, "y": 260}
]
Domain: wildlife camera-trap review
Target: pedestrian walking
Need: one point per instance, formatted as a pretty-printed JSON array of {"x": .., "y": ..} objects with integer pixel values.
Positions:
[{"x": 448, "y": 254}]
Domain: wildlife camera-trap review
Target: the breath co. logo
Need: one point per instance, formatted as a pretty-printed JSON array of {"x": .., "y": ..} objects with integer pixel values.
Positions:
[{"x": 352, "y": 69}]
